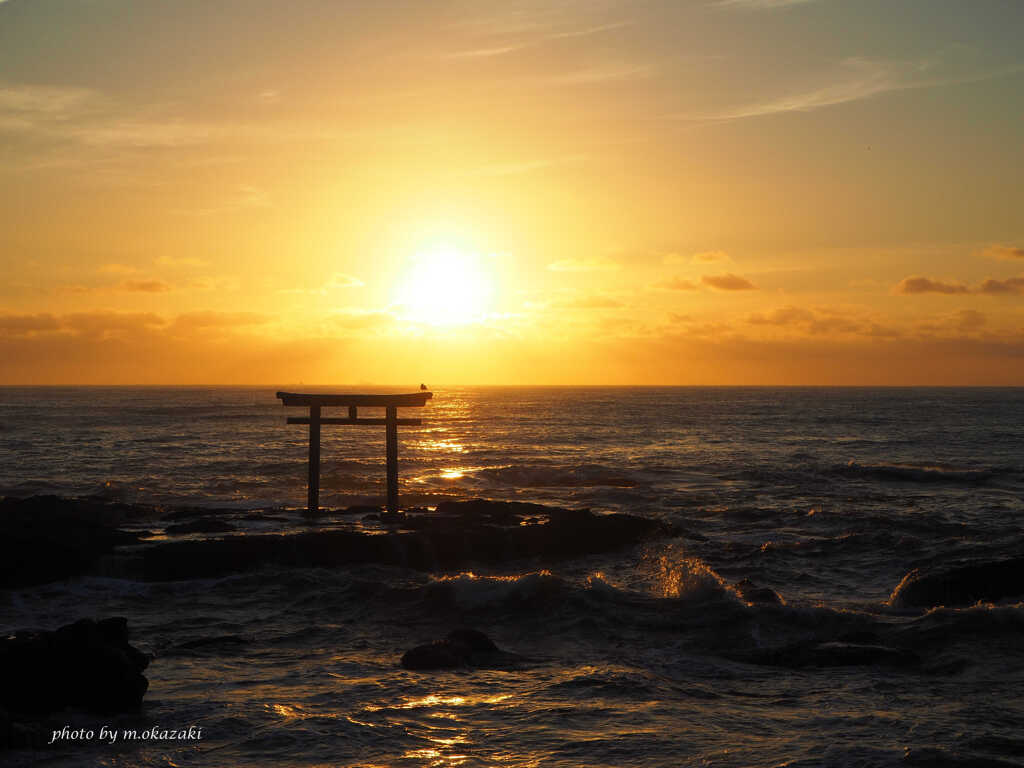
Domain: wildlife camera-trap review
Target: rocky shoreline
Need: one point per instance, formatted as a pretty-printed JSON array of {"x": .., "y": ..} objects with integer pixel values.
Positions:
[{"x": 47, "y": 539}]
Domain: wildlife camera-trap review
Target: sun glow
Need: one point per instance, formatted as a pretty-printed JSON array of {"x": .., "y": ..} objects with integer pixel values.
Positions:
[{"x": 445, "y": 286}]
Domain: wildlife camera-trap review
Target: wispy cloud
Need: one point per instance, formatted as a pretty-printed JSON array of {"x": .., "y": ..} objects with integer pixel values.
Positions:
[
  {"x": 483, "y": 53},
  {"x": 678, "y": 284},
  {"x": 25, "y": 325},
  {"x": 703, "y": 257},
  {"x": 524, "y": 166},
  {"x": 145, "y": 286},
  {"x": 823, "y": 321},
  {"x": 76, "y": 119},
  {"x": 118, "y": 269},
  {"x": 1006, "y": 252},
  {"x": 990, "y": 286},
  {"x": 337, "y": 280},
  {"x": 728, "y": 282},
  {"x": 917, "y": 284},
  {"x": 604, "y": 73},
  {"x": 533, "y": 42},
  {"x": 855, "y": 79},
  {"x": 190, "y": 321},
  {"x": 1013, "y": 285}
]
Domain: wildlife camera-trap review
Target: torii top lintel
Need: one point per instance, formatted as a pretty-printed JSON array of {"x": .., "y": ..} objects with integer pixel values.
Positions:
[{"x": 410, "y": 400}]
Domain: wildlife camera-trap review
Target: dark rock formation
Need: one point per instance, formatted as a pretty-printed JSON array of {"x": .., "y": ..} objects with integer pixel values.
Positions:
[
  {"x": 461, "y": 648},
  {"x": 457, "y": 535},
  {"x": 87, "y": 665},
  {"x": 46, "y": 538},
  {"x": 205, "y": 525},
  {"x": 963, "y": 585}
]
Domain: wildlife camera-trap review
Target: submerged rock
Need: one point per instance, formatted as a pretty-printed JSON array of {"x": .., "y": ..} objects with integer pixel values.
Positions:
[
  {"x": 461, "y": 648},
  {"x": 750, "y": 592},
  {"x": 964, "y": 585},
  {"x": 88, "y": 665},
  {"x": 46, "y": 538},
  {"x": 201, "y": 526}
]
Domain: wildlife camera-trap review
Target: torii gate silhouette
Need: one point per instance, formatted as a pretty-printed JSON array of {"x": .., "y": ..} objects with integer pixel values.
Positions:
[{"x": 390, "y": 403}]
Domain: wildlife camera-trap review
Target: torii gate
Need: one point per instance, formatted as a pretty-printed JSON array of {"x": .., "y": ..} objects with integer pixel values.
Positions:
[{"x": 390, "y": 403}]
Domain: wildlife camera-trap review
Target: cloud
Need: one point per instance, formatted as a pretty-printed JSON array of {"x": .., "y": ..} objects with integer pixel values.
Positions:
[
  {"x": 21, "y": 325},
  {"x": 481, "y": 53},
  {"x": 814, "y": 323},
  {"x": 118, "y": 269},
  {"x": 856, "y": 79},
  {"x": 44, "y": 100},
  {"x": 599, "y": 74},
  {"x": 916, "y": 284},
  {"x": 341, "y": 280},
  {"x": 970, "y": 319},
  {"x": 501, "y": 50},
  {"x": 824, "y": 321},
  {"x": 519, "y": 168},
  {"x": 107, "y": 128},
  {"x": 354, "y": 319},
  {"x": 583, "y": 265},
  {"x": 145, "y": 286},
  {"x": 728, "y": 282},
  {"x": 783, "y": 316},
  {"x": 338, "y": 280},
  {"x": 882, "y": 332},
  {"x": 703, "y": 257},
  {"x": 214, "y": 319},
  {"x": 1004, "y": 252},
  {"x": 710, "y": 257},
  {"x": 678, "y": 284},
  {"x": 1012, "y": 285},
  {"x": 107, "y": 323}
]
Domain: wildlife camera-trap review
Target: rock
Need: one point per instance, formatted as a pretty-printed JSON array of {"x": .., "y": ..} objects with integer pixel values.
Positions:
[
  {"x": 458, "y": 535},
  {"x": 461, "y": 648},
  {"x": 439, "y": 655},
  {"x": 201, "y": 526},
  {"x": 963, "y": 585},
  {"x": 750, "y": 592},
  {"x": 46, "y": 538},
  {"x": 88, "y": 665},
  {"x": 360, "y": 509}
]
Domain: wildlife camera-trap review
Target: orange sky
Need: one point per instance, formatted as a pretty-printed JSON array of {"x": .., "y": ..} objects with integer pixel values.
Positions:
[{"x": 603, "y": 192}]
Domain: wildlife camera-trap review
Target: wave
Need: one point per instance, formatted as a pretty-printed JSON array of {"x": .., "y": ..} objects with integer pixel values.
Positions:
[
  {"x": 917, "y": 473},
  {"x": 961, "y": 584},
  {"x": 583, "y": 476}
]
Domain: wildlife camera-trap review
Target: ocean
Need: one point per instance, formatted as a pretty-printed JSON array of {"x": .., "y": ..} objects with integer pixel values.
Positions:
[{"x": 650, "y": 656}]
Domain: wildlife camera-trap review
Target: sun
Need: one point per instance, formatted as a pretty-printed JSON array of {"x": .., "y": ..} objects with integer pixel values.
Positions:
[{"x": 445, "y": 286}]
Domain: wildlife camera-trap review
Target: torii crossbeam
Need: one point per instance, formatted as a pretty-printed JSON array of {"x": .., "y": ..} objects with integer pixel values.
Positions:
[{"x": 390, "y": 404}]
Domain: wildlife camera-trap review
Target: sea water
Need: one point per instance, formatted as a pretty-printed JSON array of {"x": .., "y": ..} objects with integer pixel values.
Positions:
[{"x": 642, "y": 658}]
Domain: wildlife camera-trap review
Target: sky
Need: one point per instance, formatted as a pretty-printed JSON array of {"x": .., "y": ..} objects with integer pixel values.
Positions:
[{"x": 615, "y": 192}]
